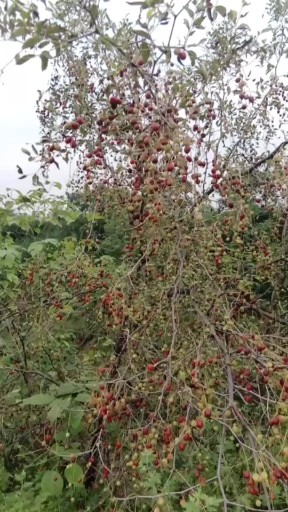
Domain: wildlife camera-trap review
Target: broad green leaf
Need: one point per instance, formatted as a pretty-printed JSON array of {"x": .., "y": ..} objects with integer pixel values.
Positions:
[
  {"x": 35, "y": 248},
  {"x": 43, "y": 44},
  {"x": 21, "y": 60},
  {"x": 233, "y": 15},
  {"x": 75, "y": 418},
  {"x": 39, "y": 399},
  {"x": 198, "y": 22},
  {"x": 35, "y": 180},
  {"x": 21, "y": 31},
  {"x": 31, "y": 42},
  {"x": 192, "y": 56},
  {"x": 52, "y": 483},
  {"x": 142, "y": 33},
  {"x": 4, "y": 478},
  {"x": 52, "y": 241},
  {"x": 190, "y": 12},
  {"x": 83, "y": 397},
  {"x": 25, "y": 151},
  {"x": 168, "y": 55},
  {"x": 192, "y": 506},
  {"x": 94, "y": 10},
  {"x": 57, "y": 408},
  {"x": 74, "y": 474},
  {"x": 144, "y": 51},
  {"x": 44, "y": 56},
  {"x": 67, "y": 388},
  {"x": 267, "y": 29},
  {"x": 221, "y": 9},
  {"x": 66, "y": 454}
]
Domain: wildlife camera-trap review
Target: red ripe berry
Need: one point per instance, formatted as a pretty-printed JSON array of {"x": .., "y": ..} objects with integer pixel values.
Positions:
[
  {"x": 80, "y": 120},
  {"x": 207, "y": 413},
  {"x": 246, "y": 475},
  {"x": 118, "y": 445},
  {"x": 114, "y": 102},
  {"x": 182, "y": 55},
  {"x": 155, "y": 127},
  {"x": 73, "y": 143},
  {"x": 170, "y": 167},
  {"x": 106, "y": 473},
  {"x": 182, "y": 447},
  {"x": 248, "y": 399},
  {"x": 274, "y": 422},
  {"x": 188, "y": 437},
  {"x": 199, "y": 424},
  {"x": 75, "y": 125},
  {"x": 150, "y": 368},
  {"x": 68, "y": 140}
]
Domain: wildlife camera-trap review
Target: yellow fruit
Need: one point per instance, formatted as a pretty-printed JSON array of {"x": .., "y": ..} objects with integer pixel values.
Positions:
[{"x": 263, "y": 476}]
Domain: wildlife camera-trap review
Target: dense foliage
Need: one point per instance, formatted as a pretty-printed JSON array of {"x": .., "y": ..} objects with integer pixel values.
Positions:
[{"x": 144, "y": 320}]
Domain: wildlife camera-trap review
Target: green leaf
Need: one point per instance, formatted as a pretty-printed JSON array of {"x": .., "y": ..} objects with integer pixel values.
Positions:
[
  {"x": 221, "y": 9},
  {"x": 192, "y": 506},
  {"x": 52, "y": 483},
  {"x": 68, "y": 388},
  {"x": 233, "y": 15},
  {"x": 67, "y": 453},
  {"x": 30, "y": 42},
  {"x": 57, "y": 408},
  {"x": 74, "y": 474},
  {"x": 35, "y": 248},
  {"x": 168, "y": 55},
  {"x": 268, "y": 29},
  {"x": 35, "y": 180},
  {"x": 192, "y": 56},
  {"x": 39, "y": 399},
  {"x": 21, "y": 31},
  {"x": 75, "y": 418},
  {"x": 144, "y": 51},
  {"x": 190, "y": 12},
  {"x": 83, "y": 397},
  {"x": 25, "y": 151},
  {"x": 94, "y": 11},
  {"x": 142, "y": 33},
  {"x": 198, "y": 22},
  {"x": 44, "y": 56},
  {"x": 43, "y": 44},
  {"x": 4, "y": 478},
  {"x": 21, "y": 60}
]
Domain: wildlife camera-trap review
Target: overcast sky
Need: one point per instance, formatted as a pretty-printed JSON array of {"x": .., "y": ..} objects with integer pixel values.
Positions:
[{"x": 18, "y": 95}]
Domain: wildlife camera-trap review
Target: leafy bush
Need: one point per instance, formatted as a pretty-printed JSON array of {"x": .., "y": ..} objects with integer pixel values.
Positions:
[{"x": 143, "y": 341}]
